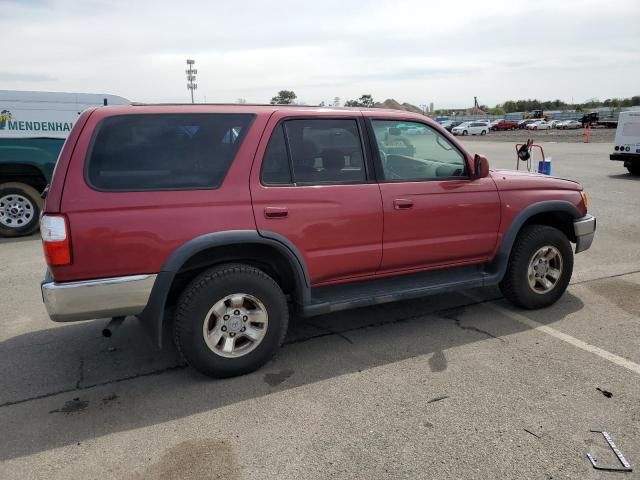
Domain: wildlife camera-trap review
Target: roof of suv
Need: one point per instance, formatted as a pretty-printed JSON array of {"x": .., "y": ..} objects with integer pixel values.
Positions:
[{"x": 250, "y": 108}]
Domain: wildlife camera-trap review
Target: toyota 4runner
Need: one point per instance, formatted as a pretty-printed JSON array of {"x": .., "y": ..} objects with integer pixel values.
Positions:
[{"x": 221, "y": 219}]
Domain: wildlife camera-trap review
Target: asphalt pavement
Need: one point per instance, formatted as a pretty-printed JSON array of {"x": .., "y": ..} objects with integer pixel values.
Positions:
[{"x": 451, "y": 386}]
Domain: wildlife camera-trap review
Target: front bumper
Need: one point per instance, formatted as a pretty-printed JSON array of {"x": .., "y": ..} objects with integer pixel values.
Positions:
[
  {"x": 585, "y": 229},
  {"x": 100, "y": 298}
]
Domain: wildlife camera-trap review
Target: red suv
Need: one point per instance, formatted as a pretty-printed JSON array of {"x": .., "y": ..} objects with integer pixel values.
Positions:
[
  {"x": 219, "y": 218},
  {"x": 505, "y": 125}
]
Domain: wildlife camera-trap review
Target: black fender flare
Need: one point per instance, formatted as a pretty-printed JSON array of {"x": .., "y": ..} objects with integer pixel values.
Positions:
[
  {"x": 153, "y": 316},
  {"x": 498, "y": 265}
]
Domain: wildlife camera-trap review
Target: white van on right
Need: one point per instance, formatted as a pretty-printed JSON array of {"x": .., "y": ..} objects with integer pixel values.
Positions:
[{"x": 627, "y": 143}]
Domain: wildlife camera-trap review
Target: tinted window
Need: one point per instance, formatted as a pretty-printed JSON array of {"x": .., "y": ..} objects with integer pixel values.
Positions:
[
  {"x": 423, "y": 156},
  {"x": 275, "y": 166},
  {"x": 325, "y": 151},
  {"x": 158, "y": 152}
]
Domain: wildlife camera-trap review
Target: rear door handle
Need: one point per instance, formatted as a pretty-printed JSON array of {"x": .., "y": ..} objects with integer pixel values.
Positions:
[
  {"x": 402, "y": 203},
  {"x": 276, "y": 212}
]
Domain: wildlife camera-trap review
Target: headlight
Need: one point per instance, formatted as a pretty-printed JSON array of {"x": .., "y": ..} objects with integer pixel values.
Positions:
[{"x": 585, "y": 198}]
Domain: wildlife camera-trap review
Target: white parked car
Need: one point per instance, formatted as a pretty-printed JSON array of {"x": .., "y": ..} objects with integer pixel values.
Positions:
[
  {"x": 539, "y": 125},
  {"x": 555, "y": 123},
  {"x": 570, "y": 125},
  {"x": 471, "y": 128}
]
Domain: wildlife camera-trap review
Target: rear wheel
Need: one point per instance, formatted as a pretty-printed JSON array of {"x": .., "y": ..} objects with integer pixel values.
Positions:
[
  {"x": 230, "y": 320},
  {"x": 483, "y": 132},
  {"x": 20, "y": 207},
  {"x": 464, "y": 132},
  {"x": 539, "y": 269}
]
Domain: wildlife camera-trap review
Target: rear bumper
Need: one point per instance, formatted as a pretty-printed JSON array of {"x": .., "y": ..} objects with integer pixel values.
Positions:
[
  {"x": 585, "y": 230},
  {"x": 625, "y": 157},
  {"x": 100, "y": 298}
]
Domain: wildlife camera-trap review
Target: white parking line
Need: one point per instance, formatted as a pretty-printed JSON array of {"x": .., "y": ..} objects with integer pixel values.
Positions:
[{"x": 613, "y": 358}]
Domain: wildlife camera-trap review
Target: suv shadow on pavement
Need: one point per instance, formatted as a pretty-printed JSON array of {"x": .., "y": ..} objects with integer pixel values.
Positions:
[{"x": 62, "y": 386}]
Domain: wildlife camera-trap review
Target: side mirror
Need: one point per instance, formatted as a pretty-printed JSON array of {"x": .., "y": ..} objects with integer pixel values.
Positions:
[{"x": 481, "y": 166}]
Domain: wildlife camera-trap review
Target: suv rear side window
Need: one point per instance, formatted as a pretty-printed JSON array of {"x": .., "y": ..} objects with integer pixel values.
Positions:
[
  {"x": 325, "y": 151},
  {"x": 165, "y": 151}
]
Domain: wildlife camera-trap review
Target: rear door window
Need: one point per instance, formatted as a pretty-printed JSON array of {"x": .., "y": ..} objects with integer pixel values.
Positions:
[
  {"x": 165, "y": 151},
  {"x": 325, "y": 151}
]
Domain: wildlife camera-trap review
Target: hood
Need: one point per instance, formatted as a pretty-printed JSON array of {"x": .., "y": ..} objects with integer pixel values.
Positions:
[{"x": 521, "y": 180}]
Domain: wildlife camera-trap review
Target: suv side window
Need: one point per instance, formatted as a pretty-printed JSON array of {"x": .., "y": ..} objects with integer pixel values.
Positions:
[
  {"x": 165, "y": 151},
  {"x": 427, "y": 155},
  {"x": 325, "y": 151},
  {"x": 275, "y": 166}
]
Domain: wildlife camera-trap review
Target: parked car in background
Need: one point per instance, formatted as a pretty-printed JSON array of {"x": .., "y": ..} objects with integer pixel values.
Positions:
[
  {"x": 539, "y": 125},
  {"x": 505, "y": 125},
  {"x": 301, "y": 223},
  {"x": 451, "y": 124},
  {"x": 471, "y": 128},
  {"x": 495, "y": 122},
  {"x": 555, "y": 123},
  {"x": 522, "y": 124},
  {"x": 570, "y": 125}
]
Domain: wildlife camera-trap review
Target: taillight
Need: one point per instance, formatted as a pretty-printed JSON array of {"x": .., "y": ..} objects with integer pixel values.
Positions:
[{"x": 56, "y": 240}]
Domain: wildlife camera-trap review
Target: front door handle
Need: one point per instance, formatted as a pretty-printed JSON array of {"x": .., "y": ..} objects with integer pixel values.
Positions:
[
  {"x": 402, "y": 203},
  {"x": 276, "y": 212}
]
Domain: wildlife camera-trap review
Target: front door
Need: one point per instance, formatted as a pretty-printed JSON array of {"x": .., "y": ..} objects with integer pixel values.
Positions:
[
  {"x": 314, "y": 187},
  {"x": 435, "y": 214}
]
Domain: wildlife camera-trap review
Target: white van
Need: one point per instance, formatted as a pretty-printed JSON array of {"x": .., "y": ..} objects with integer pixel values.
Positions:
[
  {"x": 25, "y": 114},
  {"x": 33, "y": 127},
  {"x": 627, "y": 143}
]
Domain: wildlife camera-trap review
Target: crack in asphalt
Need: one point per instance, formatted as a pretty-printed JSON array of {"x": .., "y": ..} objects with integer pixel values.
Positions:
[
  {"x": 477, "y": 330},
  {"x": 329, "y": 331},
  {"x": 442, "y": 313},
  {"x": 80, "y": 374},
  {"x": 93, "y": 385}
]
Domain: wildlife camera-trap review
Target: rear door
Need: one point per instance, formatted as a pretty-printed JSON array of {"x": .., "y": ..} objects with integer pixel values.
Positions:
[
  {"x": 435, "y": 214},
  {"x": 312, "y": 184}
]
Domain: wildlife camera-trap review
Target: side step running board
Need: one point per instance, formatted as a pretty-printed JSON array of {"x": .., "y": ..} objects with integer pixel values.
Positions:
[{"x": 390, "y": 289}]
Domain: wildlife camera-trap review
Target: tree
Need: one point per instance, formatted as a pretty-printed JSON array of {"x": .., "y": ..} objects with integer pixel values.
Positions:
[
  {"x": 284, "y": 97},
  {"x": 365, "y": 100},
  {"x": 498, "y": 110}
]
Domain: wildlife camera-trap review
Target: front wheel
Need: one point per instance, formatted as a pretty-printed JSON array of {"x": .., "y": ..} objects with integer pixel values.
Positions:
[
  {"x": 539, "y": 269},
  {"x": 230, "y": 320},
  {"x": 20, "y": 207}
]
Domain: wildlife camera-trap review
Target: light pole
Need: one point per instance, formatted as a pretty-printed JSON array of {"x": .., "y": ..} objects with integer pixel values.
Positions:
[{"x": 191, "y": 77}]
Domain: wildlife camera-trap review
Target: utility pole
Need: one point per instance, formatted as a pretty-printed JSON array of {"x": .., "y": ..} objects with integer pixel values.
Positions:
[{"x": 191, "y": 77}]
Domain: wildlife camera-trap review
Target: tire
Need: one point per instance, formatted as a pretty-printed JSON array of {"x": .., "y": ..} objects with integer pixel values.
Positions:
[
  {"x": 464, "y": 133},
  {"x": 195, "y": 309},
  {"x": 20, "y": 207},
  {"x": 634, "y": 169},
  {"x": 483, "y": 132},
  {"x": 532, "y": 241}
]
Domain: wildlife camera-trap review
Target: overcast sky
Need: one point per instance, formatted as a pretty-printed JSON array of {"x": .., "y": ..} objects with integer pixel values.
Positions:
[{"x": 414, "y": 51}]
